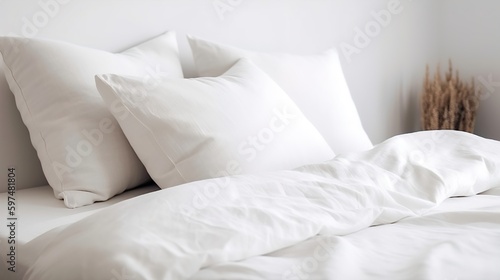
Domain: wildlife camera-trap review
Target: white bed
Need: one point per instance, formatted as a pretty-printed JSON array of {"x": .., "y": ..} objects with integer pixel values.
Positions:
[
  {"x": 38, "y": 212},
  {"x": 261, "y": 164},
  {"x": 446, "y": 243},
  {"x": 372, "y": 215}
]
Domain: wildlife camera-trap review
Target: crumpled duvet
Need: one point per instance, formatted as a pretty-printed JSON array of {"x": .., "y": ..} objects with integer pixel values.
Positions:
[{"x": 177, "y": 232}]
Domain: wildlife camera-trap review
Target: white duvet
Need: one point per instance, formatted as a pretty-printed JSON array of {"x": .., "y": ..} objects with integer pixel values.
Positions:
[{"x": 343, "y": 219}]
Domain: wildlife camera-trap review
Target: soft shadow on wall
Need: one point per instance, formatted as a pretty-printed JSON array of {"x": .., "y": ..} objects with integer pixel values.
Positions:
[{"x": 470, "y": 38}]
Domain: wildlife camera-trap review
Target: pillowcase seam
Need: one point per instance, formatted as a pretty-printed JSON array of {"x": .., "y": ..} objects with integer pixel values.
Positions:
[
  {"x": 39, "y": 131},
  {"x": 150, "y": 132}
]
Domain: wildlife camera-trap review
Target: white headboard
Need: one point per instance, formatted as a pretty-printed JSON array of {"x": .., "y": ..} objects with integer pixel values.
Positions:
[{"x": 379, "y": 87}]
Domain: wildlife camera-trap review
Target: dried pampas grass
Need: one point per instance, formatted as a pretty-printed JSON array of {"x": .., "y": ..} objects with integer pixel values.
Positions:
[{"x": 450, "y": 103}]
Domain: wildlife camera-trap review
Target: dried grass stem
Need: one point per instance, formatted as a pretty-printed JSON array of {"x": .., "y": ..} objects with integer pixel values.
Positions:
[{"x": 449, "y": 103}]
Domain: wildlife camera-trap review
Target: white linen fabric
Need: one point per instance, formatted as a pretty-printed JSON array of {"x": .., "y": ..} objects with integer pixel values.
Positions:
[
  {"x": 39, "y": 212},
  {"x": 185, "y": 130},
  {"x": 174, "y": 233},
  {"x": 457, "y": 240},
  {"x": 316, "y": 83},
  {"x": 83, "y": 152}
]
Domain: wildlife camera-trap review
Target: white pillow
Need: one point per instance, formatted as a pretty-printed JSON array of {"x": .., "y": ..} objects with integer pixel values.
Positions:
[
  {"x": 83, "y": 152},
  {"x": 315, "y": 82},
  {"x": 191, "y": 129}
]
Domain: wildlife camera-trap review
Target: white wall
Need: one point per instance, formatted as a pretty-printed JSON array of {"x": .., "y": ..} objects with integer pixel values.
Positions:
[
  {"x": 385, "y": 76},
  {"x": 470, "y": 36}
]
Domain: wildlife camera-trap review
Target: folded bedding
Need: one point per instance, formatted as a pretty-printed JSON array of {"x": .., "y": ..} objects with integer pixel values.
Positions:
[{"x": 178, "y": 232}]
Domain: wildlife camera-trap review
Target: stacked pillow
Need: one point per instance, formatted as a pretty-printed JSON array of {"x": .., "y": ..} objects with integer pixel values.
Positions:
[
  {"x": 84, "y": 153},
  {"x": 248, "y": 112},
  {"x": 315, "y": 82},
  {"x": 191, "y": 129}
]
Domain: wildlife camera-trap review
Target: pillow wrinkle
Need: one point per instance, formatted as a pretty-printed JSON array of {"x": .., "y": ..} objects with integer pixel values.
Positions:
[
  {"x": 207, "y": 132},
  {"x": 316, "y": 83},
  {"x": 155, "y": 138}
]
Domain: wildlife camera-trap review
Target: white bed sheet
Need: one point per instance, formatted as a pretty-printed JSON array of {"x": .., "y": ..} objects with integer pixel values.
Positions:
[
  {"x": 372, "y": 215},
  {"x": 375, "y": 252},
  {"x": 381, "y": 214},
  {"x": 456, "y": 236},
  {"x": 38, "y": 212}
]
